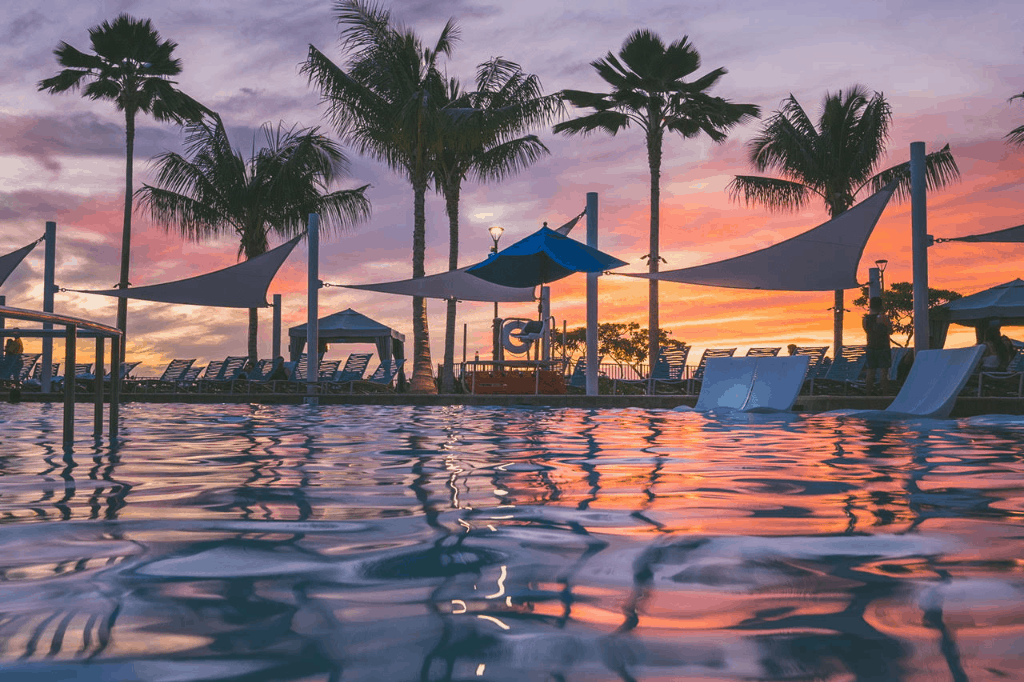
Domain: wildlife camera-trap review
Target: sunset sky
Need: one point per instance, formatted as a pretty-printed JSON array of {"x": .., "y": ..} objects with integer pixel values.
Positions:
[{"x": 947, "y": 69}]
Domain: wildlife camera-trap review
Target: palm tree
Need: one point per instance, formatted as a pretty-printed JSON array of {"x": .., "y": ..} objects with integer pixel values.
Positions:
[
  {"x": 215, "y": 191},
  {"x": 1016, "y": 136},
  {"x": 482, "y": 140},
  {"x": 131, "y": 66},
  {"x": 388, "y": 103},
  {"x": 647, "y": 89},
  {"x": 834, "y": 160}
]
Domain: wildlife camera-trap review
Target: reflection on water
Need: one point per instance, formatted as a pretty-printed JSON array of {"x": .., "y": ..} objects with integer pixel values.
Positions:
[{"x": 370, "y": 543}]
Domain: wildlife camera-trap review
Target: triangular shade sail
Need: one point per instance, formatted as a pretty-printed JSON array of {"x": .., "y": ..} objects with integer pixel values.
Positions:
[
  {"x": 455, "y": 284},
  {"x": 13, "y": 259},
  {"x": 542, "y": 257},
  {"x": 824, "y": 258},
  {"x": 238, "y": 286},
  {"x": 1010, "y": 234}
]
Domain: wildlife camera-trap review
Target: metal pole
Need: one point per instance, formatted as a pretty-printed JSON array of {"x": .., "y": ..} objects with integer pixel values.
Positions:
[
  {"x": 115, "y": 388},
  {"x": 465, "y": 331},
  {"x": 3, "y": 320},
  {"x": 919, "y": 244},
  {"x": 49, "y": 266},
  {"x": 275, "y": 344},
  {"x": 545, "y": 314},
  {"x": 69, "y": 385},
  {"x": 592, "y": 298},
  {"x": 97, "y": 372},
  {"x": 312, "y": 309},
  {"x": 874, "y": 283}
]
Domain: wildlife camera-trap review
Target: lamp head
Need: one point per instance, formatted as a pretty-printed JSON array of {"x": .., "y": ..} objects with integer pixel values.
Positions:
[
  {"x": 881, "y": 263},
  {"x": 496, "y": 232}
]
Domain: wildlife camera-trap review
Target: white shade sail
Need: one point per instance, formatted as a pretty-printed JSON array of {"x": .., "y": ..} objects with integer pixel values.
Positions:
[
  {"x": 454, "y": 284},
  {"x": 239, "y": 286},
  {"x": 1012, "y": 235},
  {"x": 824, "y": 258},
  {"x": 13, "y": 259}
]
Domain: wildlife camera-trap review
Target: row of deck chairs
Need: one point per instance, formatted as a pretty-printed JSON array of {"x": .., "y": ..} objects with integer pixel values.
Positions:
[
  {"x": 26, "y": 370},
  {"x": 229, "y": 375},
  {"x": 999, "y": 383}
]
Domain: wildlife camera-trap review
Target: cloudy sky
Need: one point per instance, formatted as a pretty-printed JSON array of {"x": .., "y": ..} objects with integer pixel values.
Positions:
[{"x": 947, "y": 69}]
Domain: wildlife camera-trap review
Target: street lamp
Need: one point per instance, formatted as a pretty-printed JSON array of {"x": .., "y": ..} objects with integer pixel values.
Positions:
[
  {"x": 880, "y": 264},
  {"x": 495, "y": 233}
]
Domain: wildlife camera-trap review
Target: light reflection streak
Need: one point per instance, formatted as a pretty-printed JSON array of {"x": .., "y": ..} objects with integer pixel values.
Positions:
[
  {"x": 494, "y": 620},
  {"x": 501, "y": 584}
]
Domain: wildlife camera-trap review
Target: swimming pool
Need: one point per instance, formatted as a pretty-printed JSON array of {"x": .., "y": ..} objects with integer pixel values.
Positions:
[{"x": 237, "y": 542}]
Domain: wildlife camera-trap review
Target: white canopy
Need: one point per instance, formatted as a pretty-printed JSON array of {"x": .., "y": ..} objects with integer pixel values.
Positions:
[
  {"x": 13, "y": 259},
  {"x": 238, "y": 286},
  {"x": 824, "y": 258},
  {"x": 457, "y": 284}
]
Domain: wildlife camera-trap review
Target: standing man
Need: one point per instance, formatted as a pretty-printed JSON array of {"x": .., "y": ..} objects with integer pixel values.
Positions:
[{"x": 877, "y": 330}]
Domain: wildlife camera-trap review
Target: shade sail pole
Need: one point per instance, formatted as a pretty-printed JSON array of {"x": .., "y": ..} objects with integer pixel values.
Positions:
[
  {"x": 312, "y": 309},
  {"x": 592, "y": 367},
  {"x": 919, "y": 244},
  {"x": 275, "y": 341},
  {"x": 49, "y": 268}
]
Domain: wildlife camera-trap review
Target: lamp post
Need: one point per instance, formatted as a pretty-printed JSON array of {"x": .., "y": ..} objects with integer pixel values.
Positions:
[
  {"x": 880, "y": 264},
  {"x": 495, "y": 233}
]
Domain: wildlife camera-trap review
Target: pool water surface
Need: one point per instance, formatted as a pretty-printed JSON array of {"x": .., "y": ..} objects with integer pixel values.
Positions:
[{"x": 238, "y": 542}]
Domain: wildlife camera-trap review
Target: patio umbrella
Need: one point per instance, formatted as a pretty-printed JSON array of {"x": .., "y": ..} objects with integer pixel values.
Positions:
[{"x": 544, "y": 256}]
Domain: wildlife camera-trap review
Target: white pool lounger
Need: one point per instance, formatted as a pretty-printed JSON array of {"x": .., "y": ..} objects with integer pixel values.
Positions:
[
  {"x": 934, "y": 382},
  {"x": 752, "y": 384}
]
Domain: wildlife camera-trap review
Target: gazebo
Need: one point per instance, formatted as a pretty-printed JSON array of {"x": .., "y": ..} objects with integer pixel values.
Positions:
[
  {"x": 1003, "y": 304},
  {"x": 350, "y": 326}
]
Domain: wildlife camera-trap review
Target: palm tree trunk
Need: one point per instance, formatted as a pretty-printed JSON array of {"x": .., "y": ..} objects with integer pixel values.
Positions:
[
  {"x": 126, "y": 230},
  {"x": 451, "y": 197},
  {"x": 422, "y": 372},
  {"x": 253, "y": 330},
  {"x": 654, "y": 162}
]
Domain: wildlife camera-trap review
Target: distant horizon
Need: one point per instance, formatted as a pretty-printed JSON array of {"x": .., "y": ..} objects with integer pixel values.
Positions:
[{"x": 64, "y": 161}]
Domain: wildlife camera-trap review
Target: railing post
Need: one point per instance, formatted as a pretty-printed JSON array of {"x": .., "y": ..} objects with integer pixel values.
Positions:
[
  {"x": 49, "y": 267},
  {"x": 69, "y": 385},
  {"x": 115, "y": 387},
  {"x": 97, "y": 372}
]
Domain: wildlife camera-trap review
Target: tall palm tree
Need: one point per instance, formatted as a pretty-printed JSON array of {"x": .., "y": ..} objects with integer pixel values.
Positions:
[
  {"x": 833, "y": 160},
  {"x": 131, "y": 66},
  {"x": 648, "y": 89},
  {"x": 387, "y": 101},
  {"x": 1016, "y": 136},
  {"x": 215, "y": 191},
  {"x": 483, "y": 139}
]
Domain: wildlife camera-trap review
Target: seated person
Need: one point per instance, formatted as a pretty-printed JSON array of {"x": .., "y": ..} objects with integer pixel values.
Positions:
[{"x": 999, "y": 350}]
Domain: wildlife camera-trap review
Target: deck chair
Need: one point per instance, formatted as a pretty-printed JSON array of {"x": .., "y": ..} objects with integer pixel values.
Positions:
[
  {"x": 693, "y": 385},
  {"x": 258, "y": 378},
  {"x": 669, "y": 370},
  {"x": 354, "y": 369},
  {"x": 763, "y": 352},
  {"x": 169, "y": 380},
  {"x": 382, "y": 377},
  {"x": 228, "y": 371},
  {"x": 1006, "y": 383},
  {"x": 34, "y": 378},
  {"x": 578, "y": 379},
  {"x": 126, "y": 369},
  {"x": 844, "y": 372}
]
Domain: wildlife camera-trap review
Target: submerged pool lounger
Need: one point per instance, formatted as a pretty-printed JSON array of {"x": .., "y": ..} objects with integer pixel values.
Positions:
[
  {"x": 935, "y": 380},
  {"x": 752, "y": 383}
]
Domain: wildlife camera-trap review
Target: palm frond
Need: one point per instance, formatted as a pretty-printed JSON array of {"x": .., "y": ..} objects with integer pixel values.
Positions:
[
  {"x": 509, "y": 158},
  {"x": 774, "y": 194},
  {"x": 608, "y": 121},
  {"x": 940, "y": 171}
]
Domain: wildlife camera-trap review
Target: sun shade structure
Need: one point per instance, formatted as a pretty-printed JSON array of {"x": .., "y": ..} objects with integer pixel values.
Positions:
[
  {"x": 544, "y": 256},
  {"x": 455, "y": 284},
  {"x": 824, "y": 258},
  {"x": 238, "y": 286},
  {"x": 350, "y": 326},
  {"x": 1009, "y": 235},
  {"x": 13, "y": 259},
  {"x": 1004, "y": 302}
]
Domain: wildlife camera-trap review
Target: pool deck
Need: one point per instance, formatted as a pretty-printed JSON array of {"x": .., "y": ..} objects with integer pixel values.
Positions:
[{"x": 965, "y": 406}]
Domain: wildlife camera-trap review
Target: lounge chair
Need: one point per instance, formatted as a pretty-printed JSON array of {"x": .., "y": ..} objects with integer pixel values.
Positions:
[
  {"x": 258, "y": 378},
  {"x": 934, "y": 382},
  {"x": 354, "y": 369},
  {"x": 126, "y": 370},
  {"x": 763, "y": 352},
  {"x": 693, "y": 386},
  {"x": 844, "y": 372},
  {"x": 34, "y": 379},
  {"x": 578, "y": 379},
  {"x": 670, "y": 369},
  {"x": 382, "y": 377},
  {"x": 1009, "y": 382},
  {"x": 763, "y": 384},
  {"x": 227, "y": 370},
  {"x": 170, "y": 380}
]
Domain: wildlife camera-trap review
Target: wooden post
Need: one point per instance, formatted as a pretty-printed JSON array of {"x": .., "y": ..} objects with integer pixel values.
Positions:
[
  {"x": 115, "y": 388},
  {"x": 97, "y": 372}
]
